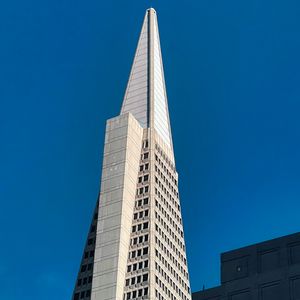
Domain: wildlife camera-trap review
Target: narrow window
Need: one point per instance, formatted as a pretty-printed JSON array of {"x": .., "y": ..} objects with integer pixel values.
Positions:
[{"x": 145, "y": 277}]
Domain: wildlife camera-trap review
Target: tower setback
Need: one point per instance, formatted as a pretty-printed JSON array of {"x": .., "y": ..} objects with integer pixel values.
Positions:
[{"x": 135, "y": 247}]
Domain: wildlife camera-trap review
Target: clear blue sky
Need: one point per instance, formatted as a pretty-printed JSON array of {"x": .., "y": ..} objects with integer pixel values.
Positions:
[{"x": 233, "y": 72}]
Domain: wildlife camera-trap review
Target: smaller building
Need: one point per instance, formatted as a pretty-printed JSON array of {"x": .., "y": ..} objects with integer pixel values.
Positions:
[{"x": 264, "y": 271}]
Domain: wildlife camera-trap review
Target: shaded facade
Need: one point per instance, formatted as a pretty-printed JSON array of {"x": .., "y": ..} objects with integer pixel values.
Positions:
[{"x": 266, "y": 271}]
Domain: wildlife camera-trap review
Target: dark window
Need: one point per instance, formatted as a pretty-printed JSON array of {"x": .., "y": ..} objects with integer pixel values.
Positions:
[
  {"x": 145, "y": 291},
  {"x": 92, "y": 253},
  {"x": 140, "y": 293},
  {"x": 145, "y": 201},
  {"x": 76, "y": 296},
  {"x": 83, "y": 268},
  {"x": 145, "y": 277},
  {"x": 127, "y": 282},
  {"x": 88, "y": 293},
  {"x": 90, "y": 266},
  {"x": 93, "y": 228},
  {"x": 90, "y": 279},
  {"x": 79, "y": 282},
  {"x": 145, "y": 225},
  {"x": 146, "y": 264},
  {"x": 86, "y": 254},
  {"x": 146, "y": 155},
  {"x": 85, "y": 280},
  {"x": 82, "y": 295},
  {"x": 145, "y": 251},
  {"x": 90, "y": 241}
]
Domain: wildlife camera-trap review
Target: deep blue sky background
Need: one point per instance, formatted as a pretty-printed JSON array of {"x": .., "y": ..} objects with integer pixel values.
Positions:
[{"x": 232, "y": 70}]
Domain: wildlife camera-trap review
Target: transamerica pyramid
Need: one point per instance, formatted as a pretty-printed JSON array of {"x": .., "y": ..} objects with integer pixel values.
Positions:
[{"x": 135, "y": 248}]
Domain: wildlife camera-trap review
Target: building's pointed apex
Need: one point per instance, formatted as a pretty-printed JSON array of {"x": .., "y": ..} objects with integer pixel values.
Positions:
[{"x": 145, "y": 95}]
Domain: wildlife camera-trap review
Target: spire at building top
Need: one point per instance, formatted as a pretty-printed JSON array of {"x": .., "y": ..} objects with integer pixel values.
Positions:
[{"x": 145, "y": 95}]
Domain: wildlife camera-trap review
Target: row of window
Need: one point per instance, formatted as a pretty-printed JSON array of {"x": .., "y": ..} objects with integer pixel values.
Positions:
[
  {"x": 143, "y": 179},
  {"x": 138, "y": 252},
  {"x": 141, "y": 202},
  {"x": 142, "y": 190},
  {"x": 141, "y": 226},
  {"x": 84, "y": 281},
  {"x": 136, "y": 280},
  {"x": 136, "y": 293},
  {"x": 88, "y": 254},
  {"x": 138, "y": 266},
  {"x": 139, "y": 240},
  {"x": 82, "y": 295},
  {"x": 145, "y": 156},
  {"x": 144, "y": 167},
  {"x": 85, "y": 268},
  {"x": 141, "y": 214}
]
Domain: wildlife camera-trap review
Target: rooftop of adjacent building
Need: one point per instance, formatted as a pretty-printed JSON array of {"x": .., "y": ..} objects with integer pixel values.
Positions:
[{"x": 265, "y": 259}]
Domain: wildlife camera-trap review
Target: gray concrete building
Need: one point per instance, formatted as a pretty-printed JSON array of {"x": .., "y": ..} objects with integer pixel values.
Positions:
[
  {"x": 135, "y": 247},
  {"x": 264, "y": 271}
]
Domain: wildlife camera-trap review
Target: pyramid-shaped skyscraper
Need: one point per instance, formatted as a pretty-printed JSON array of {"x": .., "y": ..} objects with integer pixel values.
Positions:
[{"x": 135, "y": 248}]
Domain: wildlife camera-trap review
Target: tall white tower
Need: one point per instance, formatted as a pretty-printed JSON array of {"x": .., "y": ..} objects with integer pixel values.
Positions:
[{"x": 135, "y": 247}]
